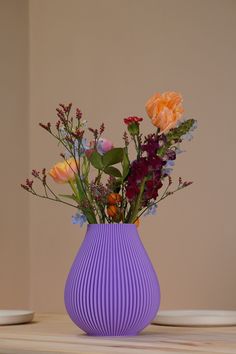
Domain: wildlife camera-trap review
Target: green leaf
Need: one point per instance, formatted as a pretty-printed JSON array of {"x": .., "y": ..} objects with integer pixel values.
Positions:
[
  {"x": 96, "y": 160},
  {"x": 113, "y": 156},
  {"x": 80, "y": 194},
  {"x": 90, "y": 216},
  {"x": 117, "y": 185},
  {"x": 175, "y": 134},
  {"x": 183, "y": 128},
  {"x": 112, "y": 171},
  {"x": 125, "y": 165},
  {"x": 68, "y": 196},
  {"x": 161, "y": 152}
]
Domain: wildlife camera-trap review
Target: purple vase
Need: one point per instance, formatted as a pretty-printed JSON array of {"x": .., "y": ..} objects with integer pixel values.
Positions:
[{"x": 112, "y": 288}]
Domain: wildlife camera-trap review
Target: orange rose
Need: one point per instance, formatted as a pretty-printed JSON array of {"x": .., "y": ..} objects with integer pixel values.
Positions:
[
  {"x": 65, "y": 171},
  {"x": 165, "y": 110}
]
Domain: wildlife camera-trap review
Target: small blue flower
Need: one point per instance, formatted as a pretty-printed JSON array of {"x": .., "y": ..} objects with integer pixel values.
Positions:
[
  {"x": 151, "y": 210},
  {"x": 179, "y": 151},
  {"x": 169, "y": 163},
  {"x": 193, "y": 127},
  {"x": 67, "y": 155},
  {"x": 188, "y": 136},
  {"x": 167, "y": 169},
  {"x": 79, "y": 218},
  {"x": 75, "y": 148},
  {"x": 63, "y": 133},
  {"x": 78, "y": 149},
  {"x": 85, "y": 146},
  {"x": 180, "y": 122}
]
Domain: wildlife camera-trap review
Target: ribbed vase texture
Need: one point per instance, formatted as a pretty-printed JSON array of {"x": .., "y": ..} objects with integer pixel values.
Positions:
[{"x": 112, "y": 288}]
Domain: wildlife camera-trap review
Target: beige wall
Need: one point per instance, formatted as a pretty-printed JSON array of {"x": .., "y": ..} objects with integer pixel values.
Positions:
[
  {"x": 108, "y": 57},
  {"x": 14, "y": 148}
]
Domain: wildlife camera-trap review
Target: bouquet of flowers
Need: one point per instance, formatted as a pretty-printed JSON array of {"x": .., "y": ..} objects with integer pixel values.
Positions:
[{"x": 107, "y": 185}]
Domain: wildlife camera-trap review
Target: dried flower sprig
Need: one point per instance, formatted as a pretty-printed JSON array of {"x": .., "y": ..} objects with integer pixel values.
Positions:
[{"x": 123, "y": 188}]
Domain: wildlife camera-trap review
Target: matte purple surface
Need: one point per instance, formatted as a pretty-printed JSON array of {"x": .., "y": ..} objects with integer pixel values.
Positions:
[{"x": 112, "y": 288}]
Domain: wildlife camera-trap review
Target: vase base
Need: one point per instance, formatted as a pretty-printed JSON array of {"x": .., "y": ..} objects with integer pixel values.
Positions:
[{"x": 112, "y": 335}]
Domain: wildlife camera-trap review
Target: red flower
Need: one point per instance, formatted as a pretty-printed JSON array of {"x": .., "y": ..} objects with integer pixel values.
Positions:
[{"x": 131, "y": 120}]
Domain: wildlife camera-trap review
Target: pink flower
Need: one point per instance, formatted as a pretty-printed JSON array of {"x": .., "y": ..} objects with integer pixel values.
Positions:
[{"x": 104, "y": 145}]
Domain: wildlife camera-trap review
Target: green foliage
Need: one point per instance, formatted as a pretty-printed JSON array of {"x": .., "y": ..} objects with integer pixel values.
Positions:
[
  {"x": 68, "y": 196},
  {"x": 119, "y": 155},
  {"x": 113, "y": 156},
  {"x": 81, "y": 195},
  {"x": 125, "y": 164},
  {"x": 112, "y": 171},
  {"x": 96, "y": 160},
  {"x": 133, "y": 129},
  {"x": 89, "y": 195},
  {"x": 85, "y": 168},
  {"x": 110, "y": 158},
  {"x": 175, "y": 134}
]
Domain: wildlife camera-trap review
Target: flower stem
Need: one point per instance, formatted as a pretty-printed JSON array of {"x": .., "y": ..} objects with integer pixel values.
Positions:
[
  {"x": 164, "y": 195},
  {"x": 52, "y": 199},
  {"x": 138, "y": 201}
]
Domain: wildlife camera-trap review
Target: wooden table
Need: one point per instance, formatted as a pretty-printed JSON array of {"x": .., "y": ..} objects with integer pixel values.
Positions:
[{"x": 57, "y": 334}]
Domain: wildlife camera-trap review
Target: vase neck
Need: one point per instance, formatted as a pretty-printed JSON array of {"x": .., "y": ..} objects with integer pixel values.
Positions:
[
  {"x": 118, "y": 227},
  {"x": 112, "y": 230}
]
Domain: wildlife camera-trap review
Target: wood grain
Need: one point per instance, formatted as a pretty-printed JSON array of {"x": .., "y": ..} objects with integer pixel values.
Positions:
[{"x": 57, "y": 334}]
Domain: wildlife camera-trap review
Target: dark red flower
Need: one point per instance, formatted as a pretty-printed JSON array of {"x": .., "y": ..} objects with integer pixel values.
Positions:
[
  {"x": 152, "y": 143},
  {"x": 29, "y": 183},
  {"x": 78, "y": 134},
  {"x": 35, "y": 173},
  {"x": 139, "y": 168},
  {"x": 155, "y": 163},
  {"x": 46, "y": 126},
  {"x": 58, "y": 123},
  {"x": 102, "y": 128},
  {"x": 126, "y": 139},
  {"x": 151, "y": 189},
  {"x": 25, "y": 187},
  {"x": 132, "y": 191},
  {"x": 78, "y": 114}
]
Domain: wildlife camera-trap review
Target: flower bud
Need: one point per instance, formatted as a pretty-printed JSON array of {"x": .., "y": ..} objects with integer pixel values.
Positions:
[{"x": 114, "y": 198}]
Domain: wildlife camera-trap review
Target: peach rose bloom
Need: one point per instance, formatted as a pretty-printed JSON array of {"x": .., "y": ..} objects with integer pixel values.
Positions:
[
  {"x": 165, "y": 110},
  {"x": 63, "y": 172}
]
